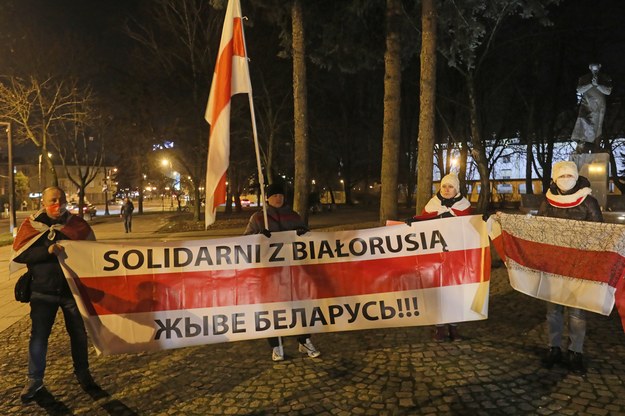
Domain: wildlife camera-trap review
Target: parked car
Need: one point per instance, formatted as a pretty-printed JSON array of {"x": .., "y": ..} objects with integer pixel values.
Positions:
[
  {"x": 88, "y": 209},
  {"x": 245, "y": 202}
]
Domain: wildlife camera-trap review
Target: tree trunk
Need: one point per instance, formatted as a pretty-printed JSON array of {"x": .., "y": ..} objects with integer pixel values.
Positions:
[
  {"x": 478, "y": 152},
  {"x": 392, "y": 106},
  {"x": 529, "y": 157},
  {"x": 300, "y": 110},
  {"x": 462, "y": 166},
  {"x": 427, "y": 104}
]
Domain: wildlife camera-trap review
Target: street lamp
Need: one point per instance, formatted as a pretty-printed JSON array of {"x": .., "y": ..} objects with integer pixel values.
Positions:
[
  {"x": 106, "y": 190},
  {"x": 343, "y": 187},
  {"x": 12, "y": 218},
  {"x": 172, "y": 176}
]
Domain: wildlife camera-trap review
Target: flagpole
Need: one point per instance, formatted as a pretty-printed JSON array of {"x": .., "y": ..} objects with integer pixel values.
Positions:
[{"x": 261, "y": 179}]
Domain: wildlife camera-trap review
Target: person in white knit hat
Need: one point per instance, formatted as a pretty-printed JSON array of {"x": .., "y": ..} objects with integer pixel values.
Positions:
[
  {"x": 568, "y": 197},
  {"x": 448, "y": 202}
]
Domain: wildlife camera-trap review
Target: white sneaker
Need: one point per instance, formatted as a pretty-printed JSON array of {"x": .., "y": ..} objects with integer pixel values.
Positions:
[
  {"x": 309, "y": 348},
  {"x": 277, "y": 354}
]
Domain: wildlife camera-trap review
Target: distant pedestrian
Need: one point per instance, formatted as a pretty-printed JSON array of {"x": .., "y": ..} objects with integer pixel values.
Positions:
[
  {"x": 280, "y": 218},
  {"x": 36, "y": 245},
  {"x": 24, "y": 205},
  {"x": 448, "y": 202},
  {"x": 126, "y": 213},
  {"x": 568, "y": 197}
]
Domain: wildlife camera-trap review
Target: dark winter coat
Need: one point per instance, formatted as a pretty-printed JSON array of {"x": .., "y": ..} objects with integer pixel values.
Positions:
[
  {"x": 279, "y": 219},
  {"x": 47, "y": 274},
  {"x": 127, "y": 208},
  {"x": 587, "y": 210}
]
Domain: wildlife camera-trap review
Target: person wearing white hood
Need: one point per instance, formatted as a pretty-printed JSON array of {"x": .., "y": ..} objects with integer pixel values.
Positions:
[
  {"x": 568, "y": 197},
  {"x": 447, "y": 203}
]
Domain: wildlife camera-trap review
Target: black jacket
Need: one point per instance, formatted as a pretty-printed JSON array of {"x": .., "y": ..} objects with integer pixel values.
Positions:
[
  {"x": 588, "y": 210},
  {"x": 47, "y": 273}
]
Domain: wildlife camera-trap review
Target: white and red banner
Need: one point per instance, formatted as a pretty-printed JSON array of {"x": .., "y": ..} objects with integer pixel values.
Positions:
[
  {"x": 573, "y": 263},
  {"x": 231, "y": 76},
  {"x": 150, "y": 296}
]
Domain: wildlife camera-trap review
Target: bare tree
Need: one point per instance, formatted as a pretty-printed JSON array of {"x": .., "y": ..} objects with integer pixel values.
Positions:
[
  {"x": 38, "y": 107},
  {"x": 83, "y": 152},
  {"x": 178, "y": 42}
]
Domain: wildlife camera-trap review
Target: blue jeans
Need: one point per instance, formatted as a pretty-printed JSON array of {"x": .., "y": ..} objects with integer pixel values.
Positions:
[
  {"x": 128, "y": 223},
  {"x": 577, "y": 326},
  {"x": 43, "y": 308}
]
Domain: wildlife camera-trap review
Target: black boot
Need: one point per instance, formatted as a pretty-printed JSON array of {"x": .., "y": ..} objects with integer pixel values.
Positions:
[
  {"x": 554, "y": 356},
  {"x": 440, "y": 333},
  {"x": 576, "y": 363},
  {"x": 454, "y": 334}
]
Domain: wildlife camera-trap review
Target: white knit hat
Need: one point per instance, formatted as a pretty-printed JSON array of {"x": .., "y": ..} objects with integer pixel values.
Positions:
[
  {"x": 451, "y": 179},
  {"x": 564, "y": 168}
]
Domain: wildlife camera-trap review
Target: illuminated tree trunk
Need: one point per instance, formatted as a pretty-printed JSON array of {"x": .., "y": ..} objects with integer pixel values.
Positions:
[
  {"x": 392, "y": 105},
  {"x": 300, "y": 104},
  {"x": 427, "y": 104}
]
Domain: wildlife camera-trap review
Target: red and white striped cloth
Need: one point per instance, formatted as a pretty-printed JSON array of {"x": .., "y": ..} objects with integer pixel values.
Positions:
[
  {"x": 30, "y": 230},
  {"x": 573, "y": 263},
  {"x": 150, "y": 296},
  {"x": 231, "y": 76}
]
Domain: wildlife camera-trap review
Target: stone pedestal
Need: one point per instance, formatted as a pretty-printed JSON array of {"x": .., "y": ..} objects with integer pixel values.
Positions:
[{"x": 594, "y": 166}]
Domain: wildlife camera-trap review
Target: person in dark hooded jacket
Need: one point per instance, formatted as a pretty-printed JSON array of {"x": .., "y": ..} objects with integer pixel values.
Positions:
[
  {"x": 569, "y": 198},
  {"x": 280, "y": 217}
]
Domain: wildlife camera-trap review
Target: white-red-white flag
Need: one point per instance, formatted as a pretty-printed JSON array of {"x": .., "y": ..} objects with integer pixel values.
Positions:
[
  {"x": 157, "y": 295},
  {"x": 231, "y": 77},
  {"x": 580, "y": 264}
]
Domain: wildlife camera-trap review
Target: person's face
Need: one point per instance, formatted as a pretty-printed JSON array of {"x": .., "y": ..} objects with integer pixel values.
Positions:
[
  {"x": 54, "y": 202},
  {"x": 566, "y": 182},
  {"x": 276, "y": 200},
  {"x": 594, "y": 68},
  {"x": 448, "y": 191}
]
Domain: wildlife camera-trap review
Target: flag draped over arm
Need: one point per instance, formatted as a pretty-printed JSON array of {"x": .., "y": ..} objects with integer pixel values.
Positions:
[{"x": 231, "y": 77}]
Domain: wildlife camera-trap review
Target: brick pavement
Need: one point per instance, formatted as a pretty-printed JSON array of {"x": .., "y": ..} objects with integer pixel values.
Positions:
[{"x": 400, "y": 371}]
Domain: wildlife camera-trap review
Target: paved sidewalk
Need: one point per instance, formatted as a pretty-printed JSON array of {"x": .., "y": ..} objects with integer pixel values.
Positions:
[{"x": 494, "y": 371}]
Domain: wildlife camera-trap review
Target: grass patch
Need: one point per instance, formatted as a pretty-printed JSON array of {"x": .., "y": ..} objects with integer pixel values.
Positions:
[{"x": 6, "y": 239}]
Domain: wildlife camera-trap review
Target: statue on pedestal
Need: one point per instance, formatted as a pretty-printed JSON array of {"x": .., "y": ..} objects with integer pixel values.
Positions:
[{"x": 591, "y": 90}]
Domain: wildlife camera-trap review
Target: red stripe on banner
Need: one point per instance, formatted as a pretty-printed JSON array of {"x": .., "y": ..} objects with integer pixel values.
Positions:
[
  {"x": 191, "y": 290},
  {"x": 597, "y": 266}
]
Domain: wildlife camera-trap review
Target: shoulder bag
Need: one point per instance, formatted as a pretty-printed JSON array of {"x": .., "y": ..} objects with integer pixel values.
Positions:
[{"x": 22, "y": 288}]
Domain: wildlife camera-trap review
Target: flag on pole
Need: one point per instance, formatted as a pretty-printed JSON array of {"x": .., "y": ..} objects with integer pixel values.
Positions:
[{"x": 231, "y": 77}]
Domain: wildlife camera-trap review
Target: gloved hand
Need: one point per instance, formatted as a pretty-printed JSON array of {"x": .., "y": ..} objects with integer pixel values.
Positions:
[
  {"x": 409, "y": 221},
  {"x": 265, "y": 232},
  {"x": 302, "y": 230}
]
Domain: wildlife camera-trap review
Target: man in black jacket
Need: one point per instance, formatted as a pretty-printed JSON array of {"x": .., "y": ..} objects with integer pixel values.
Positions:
[{"x": 36, "y": 245}]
